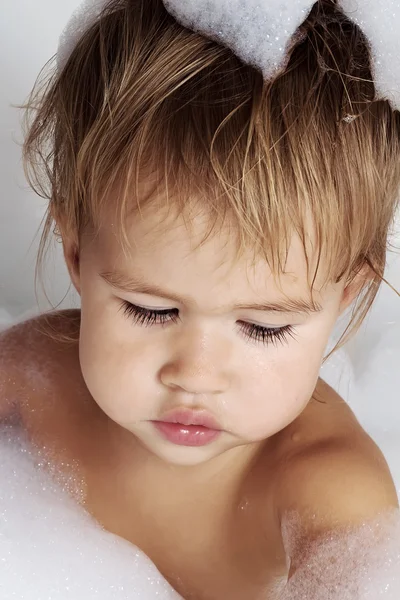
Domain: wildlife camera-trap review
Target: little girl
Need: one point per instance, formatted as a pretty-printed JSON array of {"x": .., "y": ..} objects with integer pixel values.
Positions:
[{"x": 215, "y": 226}]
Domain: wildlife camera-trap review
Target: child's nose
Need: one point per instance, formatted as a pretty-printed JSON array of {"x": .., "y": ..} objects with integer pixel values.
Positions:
[{"x": 201, "y": 371}]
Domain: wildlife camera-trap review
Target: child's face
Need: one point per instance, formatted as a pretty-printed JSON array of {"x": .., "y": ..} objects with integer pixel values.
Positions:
[{"x": 201, "y": 358}]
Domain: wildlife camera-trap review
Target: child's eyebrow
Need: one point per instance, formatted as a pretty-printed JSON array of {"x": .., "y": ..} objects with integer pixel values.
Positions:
[{"x": 139, "y": 285}]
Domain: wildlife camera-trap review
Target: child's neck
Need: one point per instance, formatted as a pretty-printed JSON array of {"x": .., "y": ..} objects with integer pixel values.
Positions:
[{"x": 208, "y": 483}]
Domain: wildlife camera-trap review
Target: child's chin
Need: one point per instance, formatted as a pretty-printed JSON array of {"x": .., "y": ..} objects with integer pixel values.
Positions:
[{"x": 179, "y": 454}]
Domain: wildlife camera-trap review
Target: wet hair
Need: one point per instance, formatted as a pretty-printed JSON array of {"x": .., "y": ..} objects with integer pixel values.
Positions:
[{"x": 142, "y": 96}]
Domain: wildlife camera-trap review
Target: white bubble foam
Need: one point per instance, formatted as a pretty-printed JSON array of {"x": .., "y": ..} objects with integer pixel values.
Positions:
[
  {"x": 81, "y": 19},
  {"x": 50, "y": 548},
  {"x": 380, "y": 22},
  {"x": 359, "y": 563},
  {"x": 260, "y": 33}
]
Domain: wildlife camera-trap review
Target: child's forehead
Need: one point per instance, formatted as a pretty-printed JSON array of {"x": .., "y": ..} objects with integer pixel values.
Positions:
[
  {"x": 162, "y": 241},
  {"x": 157, "y": 214}
]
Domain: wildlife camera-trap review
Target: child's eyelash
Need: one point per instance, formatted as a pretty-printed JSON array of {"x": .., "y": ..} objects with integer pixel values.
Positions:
[{"x": 147, "y": 317}]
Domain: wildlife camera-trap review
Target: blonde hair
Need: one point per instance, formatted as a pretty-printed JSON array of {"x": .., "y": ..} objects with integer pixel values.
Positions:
[{"x": 142, "y": 94}]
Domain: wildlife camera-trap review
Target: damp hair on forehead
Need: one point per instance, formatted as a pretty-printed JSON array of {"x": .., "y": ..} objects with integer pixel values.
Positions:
[{"x": 142, "y": 94}]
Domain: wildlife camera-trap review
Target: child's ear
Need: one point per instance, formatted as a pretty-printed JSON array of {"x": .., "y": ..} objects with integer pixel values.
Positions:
[
  {"x": 71, "y": 255},
  {"x": 355, "y": 286},
  {"x": 70, "y": 244}
]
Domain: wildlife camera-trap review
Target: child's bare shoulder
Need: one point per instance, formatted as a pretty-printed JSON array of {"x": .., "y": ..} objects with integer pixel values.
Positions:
[
  {"x": 32, "y": 356},
  {"x": 333, "y": 474}
]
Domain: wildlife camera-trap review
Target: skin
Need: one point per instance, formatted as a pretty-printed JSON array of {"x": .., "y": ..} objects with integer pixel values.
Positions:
[{"x": 203, "y": 360}]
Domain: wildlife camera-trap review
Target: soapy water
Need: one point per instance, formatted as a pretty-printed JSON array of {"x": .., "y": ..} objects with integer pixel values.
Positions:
[
  {"x": 51, "y": 549},
  {"x": 359, "y": 563}
]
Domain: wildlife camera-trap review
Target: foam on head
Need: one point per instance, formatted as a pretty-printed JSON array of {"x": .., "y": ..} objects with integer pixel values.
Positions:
[
  {"x": 260, "y": 33},
  {"x": 380, "y": 22},
  {"x": 79, "y": 22}
]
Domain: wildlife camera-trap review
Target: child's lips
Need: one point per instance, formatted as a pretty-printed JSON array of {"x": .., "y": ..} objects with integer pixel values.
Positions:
[
  {"x": 186, "y": 416},
  {"x": 188, "y": 427},
  {"x": 186, "y": 435}
]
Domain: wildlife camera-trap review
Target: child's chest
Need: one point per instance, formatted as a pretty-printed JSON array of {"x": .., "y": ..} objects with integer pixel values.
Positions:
[
  {"x": 236, "y": 560},
  {"x": 238, "y": 555}
]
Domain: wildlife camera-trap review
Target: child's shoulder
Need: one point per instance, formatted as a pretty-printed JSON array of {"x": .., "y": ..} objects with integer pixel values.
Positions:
[
  {"x": 32, "y": 356},
  {"x": 46, "y": 336},
  {"x": 333, "y": 474}
]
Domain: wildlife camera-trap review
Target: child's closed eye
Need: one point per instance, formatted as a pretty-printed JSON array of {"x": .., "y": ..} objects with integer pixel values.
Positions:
[{"x": 147, "y": 317}]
